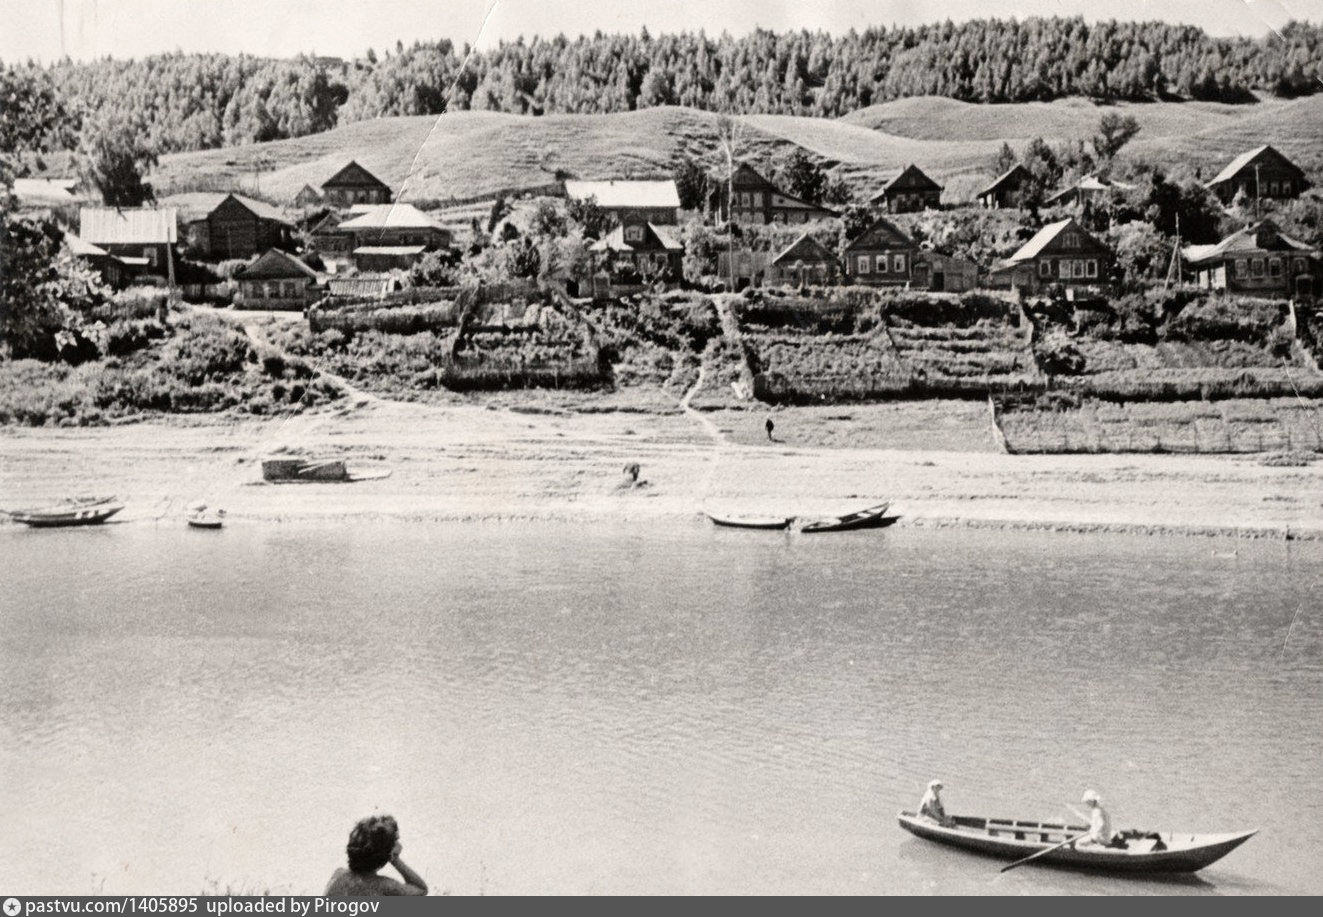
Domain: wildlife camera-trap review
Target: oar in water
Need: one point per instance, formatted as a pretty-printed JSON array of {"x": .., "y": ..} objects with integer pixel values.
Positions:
[{"x": 1034, "y": 856}]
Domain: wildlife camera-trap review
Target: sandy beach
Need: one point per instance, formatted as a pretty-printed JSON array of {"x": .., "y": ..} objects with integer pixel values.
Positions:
[{"x": 506, "y": 460}]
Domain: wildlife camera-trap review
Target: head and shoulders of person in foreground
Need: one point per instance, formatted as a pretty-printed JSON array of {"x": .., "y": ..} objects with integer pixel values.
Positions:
[{"x": 374, "y": 842}]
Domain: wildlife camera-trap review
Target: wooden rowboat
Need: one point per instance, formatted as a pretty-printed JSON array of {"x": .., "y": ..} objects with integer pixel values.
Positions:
[
  {"x": 874, "y": 517},
  {"x": 79, "y": 511},
  {"x": 282, "y": 470},
  {"x": 752, "y": 522},
  {"x": 1012, "y": 839}
]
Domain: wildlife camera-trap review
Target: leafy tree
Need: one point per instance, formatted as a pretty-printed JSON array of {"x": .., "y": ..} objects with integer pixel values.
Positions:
[
  {"x": 803, "y": 176},
  {"x": 1005, "y": 161},
  {"x": 1142, "y": 253},
  {"x": 837, "y": 192},
  {"x": 591, "y": 219},
  {"x": 44, "y": 299},
  {"x": 1044, "y": 173},
  {"x": 500, "y": 209},
  {"x": 115, "y": 157},
  {"x": 1114, "y": 132},
  {"x": 691, "y": 182},
  {"x": 855, "y": 219},
  {"x": 548, "y": 220}
]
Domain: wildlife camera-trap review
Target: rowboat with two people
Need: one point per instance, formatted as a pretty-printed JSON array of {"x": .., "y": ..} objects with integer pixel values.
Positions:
[
  {"x": 1145, "y": 852},
  {"x": 75, "y": 511},
  {"x": 873, "y": 517}
]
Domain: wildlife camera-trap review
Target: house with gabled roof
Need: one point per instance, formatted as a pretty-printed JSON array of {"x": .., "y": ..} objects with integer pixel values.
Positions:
[
  {"x": 276, "y": 280},
  {"x": 1059, "y": 253},
  {"x": 388, "y": 236},
  {"x": 907, "y": 191},
  {"x": 882, "y": 255},
  {"x": 1259, "y": 260},
  {"x": 354, "y": 184},
  {"x": 142, "y": 238},
  {"x": 631, "y": 202},
  {"x": 804, "y": 261},
  {"x": 644, "y": 248},
  {"x": 1262, "y": 173},
  {"x": 236, "y": 226},
  {"x": 1006, "y": 189},
  {"x": 1089, "y": 189},
  {"x": 755, "y": 199},
  {"x": 308, "y": 196}
]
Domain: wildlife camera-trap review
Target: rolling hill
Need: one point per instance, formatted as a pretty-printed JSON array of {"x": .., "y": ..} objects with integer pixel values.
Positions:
[{"x": 468, "y": 155}]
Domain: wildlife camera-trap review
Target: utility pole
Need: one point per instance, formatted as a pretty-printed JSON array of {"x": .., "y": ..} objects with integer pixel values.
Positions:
[{"x": 1256, "y": 191}]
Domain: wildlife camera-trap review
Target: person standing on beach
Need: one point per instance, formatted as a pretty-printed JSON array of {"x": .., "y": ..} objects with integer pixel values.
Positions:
[
  {"x": 374, "y": 842},
  {"x": 770, "y": 427}
]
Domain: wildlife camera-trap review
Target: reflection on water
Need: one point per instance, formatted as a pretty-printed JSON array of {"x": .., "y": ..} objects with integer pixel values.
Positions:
[{"x": 556, "y": 708}]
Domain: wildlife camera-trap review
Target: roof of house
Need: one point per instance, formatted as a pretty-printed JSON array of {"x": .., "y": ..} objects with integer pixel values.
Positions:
[
  {"x": 1044, "y": 237},
  {"x": 1260, "y": 236},
  {"x": 46, "y": 191},
  {"x": 614, "y": 241},
  {"x": 82, "y": 248},
  {"x": 1088, "y": 183},
  {"x": 359, "y": 286},
  {"x": 128, "y": 226},
  {"x": 805, "y": 248},
  {"x": 390, "y": 216},
  {"x": 275, "y": 264},
  {"x": 914, "y": 175},
  {"x": 1004, "y": 178},
  {"x": 881, "y": 233},
  {"x": 196, "y": 205},
  {"x": 615, "y": 194},
  {"x": 1241, "y": 161},
  {"x": 394, "y": 250},
  {"x": 354, "y": 176}
]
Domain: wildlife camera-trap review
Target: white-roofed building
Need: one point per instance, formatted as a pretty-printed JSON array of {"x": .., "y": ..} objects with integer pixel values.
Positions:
[
  {"x": 142, "y": 237},
  {"x": 655, "y": 202}
]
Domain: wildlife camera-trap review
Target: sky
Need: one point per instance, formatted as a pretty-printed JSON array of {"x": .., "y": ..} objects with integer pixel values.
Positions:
[{"x": 45, "y": 30}]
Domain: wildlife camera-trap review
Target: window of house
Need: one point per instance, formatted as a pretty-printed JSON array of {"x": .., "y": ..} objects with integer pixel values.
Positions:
[
  {"x": 1275, "y": 267},
  {"x": 863, "y": 264},
  {"x": 1072, "y": 240},
  {"x": 1064, "y": 269},
  {"x": 1256, "y": 267},
  {"x": 898, "y": 264},
  {"x": 1077, "y": 269},
  {"x": 1045, "y": 268},
  {"x": 1299, "y": 265},
  {"x": 881, "y": 264},
  {"x": 1241, "y": 268},
  {"x": 633, "y": 233}
]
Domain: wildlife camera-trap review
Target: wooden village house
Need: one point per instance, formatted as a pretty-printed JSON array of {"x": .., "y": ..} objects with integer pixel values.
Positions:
[
  {"x": 882, "y": 255},
  {"x": 754, "y": 199},
  {"x": 804, "y": 261},
  {"x": 1059, "y": 253},
  {"x": 645, "y": 249},
  {"x": 276, "y": 280},
  {"x": 381, "y": 237},
  {"x": 112, "y": 270},
  {"x": 632, "y": 203},
  {"x": 1090, "y": 189},
  {"x": 1006, "y": 189},
  {"x": 1260, "y": 174},
  {"x": 1259, "y": 260},
  {"x": 142, "y": 238},
  {"x": 239, "y": 227},
  {"x": 355, "y": 185},
  {"x": 908, "y": 191}
]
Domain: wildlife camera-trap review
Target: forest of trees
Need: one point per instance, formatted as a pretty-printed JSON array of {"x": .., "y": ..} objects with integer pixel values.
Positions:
[{"x": 200, "y": 101}]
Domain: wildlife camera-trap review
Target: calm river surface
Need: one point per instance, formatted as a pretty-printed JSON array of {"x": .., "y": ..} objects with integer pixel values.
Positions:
[{"x": 639, "y": 709}]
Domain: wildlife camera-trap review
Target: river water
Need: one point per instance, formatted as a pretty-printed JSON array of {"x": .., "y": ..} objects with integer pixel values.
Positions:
[{"x": 645, "y": 709}]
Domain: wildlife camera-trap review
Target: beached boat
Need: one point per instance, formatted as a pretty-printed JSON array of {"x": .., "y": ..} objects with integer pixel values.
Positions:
[
  {"x": 201, "y": 516},
  {"x": 752, "y": 522},
  {"x": 78, "y": 511},
  {"x": 874, "y": 517},
  {"x": 1012, "y": 839},
  {"x": 284, "y": 470}
]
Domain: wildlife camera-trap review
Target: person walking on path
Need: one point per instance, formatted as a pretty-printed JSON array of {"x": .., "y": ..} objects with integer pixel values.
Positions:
[
  {"x": 770, "y": 427},
  {"x": 374, "y": 842}
]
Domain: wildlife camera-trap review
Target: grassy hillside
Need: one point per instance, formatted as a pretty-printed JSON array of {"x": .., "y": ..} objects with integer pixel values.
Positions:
[{"x": 465, "y": 155}]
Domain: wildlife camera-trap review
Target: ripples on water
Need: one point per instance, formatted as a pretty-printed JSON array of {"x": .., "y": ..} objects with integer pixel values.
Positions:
[{"x": 554, "y": 708}]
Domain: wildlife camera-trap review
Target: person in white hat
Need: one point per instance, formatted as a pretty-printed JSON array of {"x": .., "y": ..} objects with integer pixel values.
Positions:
[
  {"x": 930, "y": 806},
  {"x": 1100, "y": 824}
]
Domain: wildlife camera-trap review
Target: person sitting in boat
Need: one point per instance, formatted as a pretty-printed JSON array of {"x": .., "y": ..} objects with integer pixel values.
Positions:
[
  {"x": 1100, "y": 825},
  {"x": 374, "y": 842},
  {"x": 930, "y": 806}
]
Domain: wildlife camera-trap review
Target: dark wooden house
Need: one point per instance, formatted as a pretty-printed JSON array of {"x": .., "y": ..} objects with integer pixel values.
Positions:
[
  {"x": 355, "y": 185},
  {"x": 276, "y": 280},
  {"x": 1006, "y": 189},
  {"x": 907, "y": 191},
  {"x": 644, "y": 249},
  {"x": 240, "y": 227},
  {"x": 1259, "y": 260},
  {"x": 142, "y": 238},
  {"x": 1260, "y": 174},
  {"x": 804, "y": 261},
  {"x": 113, "y": 271},
  {"x": 631, "y": 202},
  {"x": 944, "y": 273},
  {"x": 755, "y": 199},
  {"x": 882, "y": 255},
  {"x": 1059, "y": 253}
]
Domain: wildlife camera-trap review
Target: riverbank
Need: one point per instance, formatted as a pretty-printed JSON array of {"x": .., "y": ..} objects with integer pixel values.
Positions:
[{"x": 504, "y": 459}]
